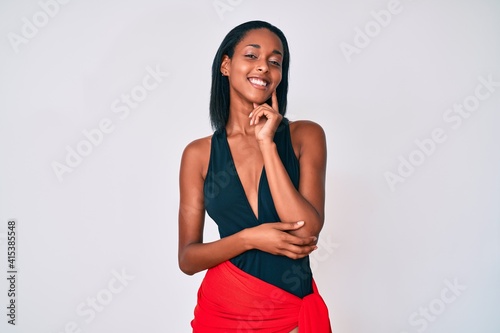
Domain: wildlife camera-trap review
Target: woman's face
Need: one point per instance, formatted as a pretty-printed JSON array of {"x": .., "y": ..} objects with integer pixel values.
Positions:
[{"x": 254, "y": 71}]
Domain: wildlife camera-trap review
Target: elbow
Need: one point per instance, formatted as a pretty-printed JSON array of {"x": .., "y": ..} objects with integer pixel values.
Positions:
[
  {"x": 315, "y": 225},
  {"x": 185, "y": 267},
  {"x": 187, "y": 271}
]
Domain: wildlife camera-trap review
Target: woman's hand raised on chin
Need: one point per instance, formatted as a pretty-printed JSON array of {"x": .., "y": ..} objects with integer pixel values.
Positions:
[{"x": 266, "y": 120}]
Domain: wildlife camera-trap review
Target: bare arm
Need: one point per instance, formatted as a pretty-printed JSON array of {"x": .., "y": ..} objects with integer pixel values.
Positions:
[
  {"x": 194, "y": 255},
  {"x": 306, "y": 203}
]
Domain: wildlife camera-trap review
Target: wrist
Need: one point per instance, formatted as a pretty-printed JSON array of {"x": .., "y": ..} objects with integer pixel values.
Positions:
[
  {"x": 244, "y": 239},
  {"x": 267, "y": 145}
]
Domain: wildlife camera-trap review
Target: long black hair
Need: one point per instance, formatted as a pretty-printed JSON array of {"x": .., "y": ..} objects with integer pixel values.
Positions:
[{"x": 219, "y": 94}]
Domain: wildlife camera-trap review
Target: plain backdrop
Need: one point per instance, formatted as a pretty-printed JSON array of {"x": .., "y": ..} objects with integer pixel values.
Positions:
[{"x": 407, "y": 92}]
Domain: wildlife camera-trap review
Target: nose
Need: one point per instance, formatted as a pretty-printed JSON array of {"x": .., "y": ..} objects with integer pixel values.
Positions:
[{"x": 262, "y": 67}]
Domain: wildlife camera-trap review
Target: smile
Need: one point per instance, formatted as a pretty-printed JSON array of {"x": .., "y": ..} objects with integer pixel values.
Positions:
[{"x": 258, "y": 82}]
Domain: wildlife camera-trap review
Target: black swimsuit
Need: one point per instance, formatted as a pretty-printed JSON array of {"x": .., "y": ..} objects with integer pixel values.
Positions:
[{"x": 228, "y": 206}]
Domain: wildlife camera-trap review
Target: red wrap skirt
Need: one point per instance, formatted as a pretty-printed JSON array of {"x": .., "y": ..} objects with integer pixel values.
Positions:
[{"x": 231, "y": 300}]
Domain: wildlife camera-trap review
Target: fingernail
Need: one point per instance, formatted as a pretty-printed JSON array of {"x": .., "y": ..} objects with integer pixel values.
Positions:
[
  {"x": 300, "y": 222},
  {"x": 250, "y": 115},
  {"x": 315, "y": 247},
  {"x": 315, "y": 238}
]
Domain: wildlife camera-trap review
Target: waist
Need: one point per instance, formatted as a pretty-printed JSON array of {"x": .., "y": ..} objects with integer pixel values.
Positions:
[
  {"x": 293, "y": 276},
  {"x": 234, "y": 300}
]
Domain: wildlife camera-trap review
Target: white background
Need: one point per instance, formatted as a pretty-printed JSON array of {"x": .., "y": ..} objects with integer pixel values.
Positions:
[{"x": 387, "y": 255}]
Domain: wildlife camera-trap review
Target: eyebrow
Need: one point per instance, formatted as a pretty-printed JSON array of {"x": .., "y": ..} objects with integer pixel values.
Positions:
[{"x": 257, "y": 46}]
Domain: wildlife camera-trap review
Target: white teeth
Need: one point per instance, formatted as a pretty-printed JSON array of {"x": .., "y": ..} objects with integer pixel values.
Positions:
[{"x": 258, "y": 82}]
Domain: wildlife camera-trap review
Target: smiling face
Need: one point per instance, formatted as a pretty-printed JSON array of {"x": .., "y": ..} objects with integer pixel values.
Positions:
[{"x": 254, "y": 71}]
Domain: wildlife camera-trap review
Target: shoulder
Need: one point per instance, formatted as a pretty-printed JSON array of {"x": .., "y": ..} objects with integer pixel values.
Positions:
[
  {"x": 305, "y": 133},
  {"x": 309, "y": 143},
  {"x": 196, "y": 155},
  {"x": 305, "y": 127},
  {"x": 198, "y": 146}
]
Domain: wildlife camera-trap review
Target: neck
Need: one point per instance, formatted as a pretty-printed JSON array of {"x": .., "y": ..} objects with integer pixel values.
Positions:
[{"x": 238, "y": 121}]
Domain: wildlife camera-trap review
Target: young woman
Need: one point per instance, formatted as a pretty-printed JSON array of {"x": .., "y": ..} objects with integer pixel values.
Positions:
[{"x": 262, "y": 180}]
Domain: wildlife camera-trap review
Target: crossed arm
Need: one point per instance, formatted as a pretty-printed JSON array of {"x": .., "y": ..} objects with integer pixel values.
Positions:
[
  {"x": 289, "y": 238},
  {"x": 307, "y": 203}
]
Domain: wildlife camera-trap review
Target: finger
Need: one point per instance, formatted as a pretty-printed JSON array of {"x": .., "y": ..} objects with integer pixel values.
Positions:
[
  {"x": 292, "y": 255},
  {"x": 288, "y": 225},
  {"x": 255, "y": 107},
  {"x": 300, "y": 249},
  {"x": 253, "y": 115},
  {"x": 264, "y": 111},
  {"x": 297, "y": 253},
  {"x": 301, "y": 241},
  {"x": 259, "y": 113},
  {"x": 275, "y": 101}
]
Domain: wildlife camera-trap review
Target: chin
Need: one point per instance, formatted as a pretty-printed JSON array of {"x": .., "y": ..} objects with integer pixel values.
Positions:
[{"x": 263, "y": 101}]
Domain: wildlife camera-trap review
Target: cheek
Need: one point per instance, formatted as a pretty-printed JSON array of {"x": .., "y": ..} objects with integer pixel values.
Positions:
[
  {"x": 277, "y": 78},
  {"x": 241, "y": 72}
]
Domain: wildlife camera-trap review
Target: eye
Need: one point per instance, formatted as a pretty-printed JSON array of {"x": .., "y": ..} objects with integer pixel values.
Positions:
[
  {"x": 275, "y": 63},
  {"x": 251, "y": 56}
]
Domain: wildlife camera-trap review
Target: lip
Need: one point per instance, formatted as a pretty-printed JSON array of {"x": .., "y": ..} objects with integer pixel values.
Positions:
[{"x": 256, "y": 86}]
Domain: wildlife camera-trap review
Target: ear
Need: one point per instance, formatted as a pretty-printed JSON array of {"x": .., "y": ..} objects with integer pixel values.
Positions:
[{"x": 225, "y": 65}]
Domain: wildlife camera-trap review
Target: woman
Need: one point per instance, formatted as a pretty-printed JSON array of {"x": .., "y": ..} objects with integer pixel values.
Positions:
[{"x": 261, "y": 178}]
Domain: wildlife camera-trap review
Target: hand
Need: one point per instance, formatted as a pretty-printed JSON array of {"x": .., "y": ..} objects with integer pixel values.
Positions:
[
  {"x": 274, "y": 238},
  {"x": 266, "y": 120}
]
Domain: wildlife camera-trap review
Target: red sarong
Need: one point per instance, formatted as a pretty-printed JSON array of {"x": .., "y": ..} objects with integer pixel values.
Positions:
[{"x": 231, "y": 300}]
